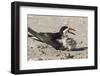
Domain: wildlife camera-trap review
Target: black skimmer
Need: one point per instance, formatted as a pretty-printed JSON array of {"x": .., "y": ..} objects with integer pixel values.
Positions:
[{"x": 58, "y": 40}]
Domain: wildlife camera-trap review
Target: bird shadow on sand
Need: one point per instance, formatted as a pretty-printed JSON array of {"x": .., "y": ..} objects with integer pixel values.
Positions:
[{"x": 80, "y": 49}]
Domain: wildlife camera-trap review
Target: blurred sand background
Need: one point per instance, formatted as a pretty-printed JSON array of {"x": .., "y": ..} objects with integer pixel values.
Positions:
[{"x": 41, "y": 51}]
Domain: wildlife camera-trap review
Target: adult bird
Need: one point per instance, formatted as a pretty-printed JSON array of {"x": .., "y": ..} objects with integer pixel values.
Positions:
[{"x": 58, "y": 40}]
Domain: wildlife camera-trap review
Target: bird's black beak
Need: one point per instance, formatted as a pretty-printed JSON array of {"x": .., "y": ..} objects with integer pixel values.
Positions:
[{"x": 70, "y": 31}]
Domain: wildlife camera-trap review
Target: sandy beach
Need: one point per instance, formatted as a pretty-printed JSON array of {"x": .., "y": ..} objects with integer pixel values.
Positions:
[{"x": 42, "y": 51}]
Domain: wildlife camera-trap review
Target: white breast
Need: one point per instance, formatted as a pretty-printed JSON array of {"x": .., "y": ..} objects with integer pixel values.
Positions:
[{"x": 63, "y": 42}]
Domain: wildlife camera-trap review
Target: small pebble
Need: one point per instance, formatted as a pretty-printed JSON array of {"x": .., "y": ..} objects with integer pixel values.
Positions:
[{"x": 40, "y": 59}]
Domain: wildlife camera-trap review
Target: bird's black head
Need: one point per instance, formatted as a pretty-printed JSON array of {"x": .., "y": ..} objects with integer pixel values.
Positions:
[
  {"x": 69, "y": 30},
  {"x": 63, "y": 28}
]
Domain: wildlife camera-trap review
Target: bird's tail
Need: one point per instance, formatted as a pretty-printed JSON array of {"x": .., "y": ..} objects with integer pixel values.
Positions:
[{"x": 34, "y": 33}]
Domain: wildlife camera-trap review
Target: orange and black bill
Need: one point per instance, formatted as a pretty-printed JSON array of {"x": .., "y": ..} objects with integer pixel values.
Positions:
[{"x": 70, "y": 31}]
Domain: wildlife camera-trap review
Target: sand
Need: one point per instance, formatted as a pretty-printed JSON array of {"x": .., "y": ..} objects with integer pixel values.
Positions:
[{"x": 42, "y": 51}]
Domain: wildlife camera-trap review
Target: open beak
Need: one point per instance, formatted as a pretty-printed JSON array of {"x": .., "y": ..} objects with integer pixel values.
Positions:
[{"x": 71, "y": 29}]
